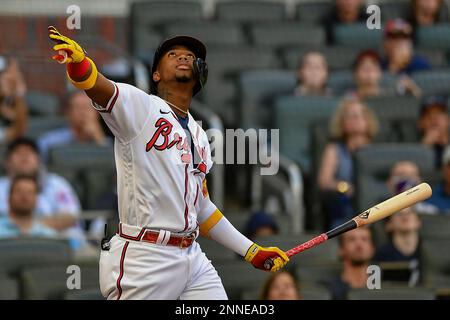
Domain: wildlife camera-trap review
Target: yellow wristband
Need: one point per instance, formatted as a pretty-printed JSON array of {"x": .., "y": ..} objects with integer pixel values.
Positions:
[
  {"x": 251, "y": 252},
  {"x": 90, "y": 81}
]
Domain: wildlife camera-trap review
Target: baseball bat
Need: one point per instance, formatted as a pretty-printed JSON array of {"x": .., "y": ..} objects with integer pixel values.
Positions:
[{"x": 369, "y": 216}]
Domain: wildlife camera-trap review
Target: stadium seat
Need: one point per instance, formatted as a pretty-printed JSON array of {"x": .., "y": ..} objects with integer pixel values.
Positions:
[
  {"x": 357, "y": 35},
  {"x": 78, "y": 156},
  {"x": 9, "y": 288},
  {"x": 42, "y": 103},
  {"x": 51, "y": 282},
  {"x": 239, "y": 276},
  {"x": 340, "y": 81},
  {"x": 148, "y": 13},
  {"x": 435, "y": 225},
  {"x": 217, "y": 33},
  {"x": 287, "y": 34},
  {"x": 312, "y": 11},
  {"x": 258, "y": 89},
  {"x": 294, "y": 117},
  {"x": 338, "y": 58},
  {"x": 391, "y": 294},
  {"x": 318, "y": 274},
  {"x": 324, "y": 254},
  {"x": 434, "y": 37},
  {"x": 37, "y": 126},
  {"x": 250, "y": 11},
  {"x": 88, "y": 294},
  {"x": 433, "y": 82},
  {"x": 27, "y": 252},
  {"x": 437, "y": 58},
  {"x": 435, "y": 259},
  {"x": 394, "y": 9},
  {"x": 373, "y": 164}
]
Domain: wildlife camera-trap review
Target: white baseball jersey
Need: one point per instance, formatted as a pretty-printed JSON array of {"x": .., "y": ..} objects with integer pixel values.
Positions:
[{"x": 159, "y": 186}]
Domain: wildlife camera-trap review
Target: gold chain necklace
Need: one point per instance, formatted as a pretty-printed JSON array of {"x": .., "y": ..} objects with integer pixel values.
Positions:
[{"x": 179, "y": 109}]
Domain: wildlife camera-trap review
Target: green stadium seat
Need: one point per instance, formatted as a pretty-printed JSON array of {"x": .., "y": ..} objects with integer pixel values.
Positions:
[
  {"x": 42, "y": 103},
  {"x": 340, "y": 81},
  {"x": 433, "y": 82},
  {"x": 337, "y": 57},
  {"x": 287, "y": 34},
  {"x": 312, "y": 11},
  {"x": 318, "y": 274},
  {"x": 80, "y": 156},
  {"x": 9, "y": 288},
  {"x": 373, "y": 164},
  {"x": 250, "y": 11},
  {"x": 148, "y": 13},
  {"x": 258, "y": 89},
  {"x": 294, "y": 117},
  {"x": 357, "y": 35},
  {"x": 437, "y": 58},
  {"x": 20, "y": 253},
  {"x": 37, "y": 126},
  {"x": 393, "y": 10},
  {"x": 435, "y": 260},
  {"x": 219, "y": 33},
  {"x": 435, "y": 225},
  {"x": 434, "y": 37},
  {"x": 391, "y": 294}
]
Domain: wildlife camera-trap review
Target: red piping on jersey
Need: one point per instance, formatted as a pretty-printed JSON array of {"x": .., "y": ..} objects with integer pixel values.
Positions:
[
  {"x": 113, "y": 102},
  {"x": 186, "y": 181},
  {"x": 196, "y": 196},
  {"x": 138, "y": 238},
  {"x": 122, "y": 260}
]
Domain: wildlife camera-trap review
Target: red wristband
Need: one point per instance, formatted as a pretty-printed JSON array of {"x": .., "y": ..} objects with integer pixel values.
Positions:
[{"x": 78, "y": 70}]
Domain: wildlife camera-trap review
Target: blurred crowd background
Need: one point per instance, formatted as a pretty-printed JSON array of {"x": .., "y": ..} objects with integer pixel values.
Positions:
[{"x": 362, "y": 115}]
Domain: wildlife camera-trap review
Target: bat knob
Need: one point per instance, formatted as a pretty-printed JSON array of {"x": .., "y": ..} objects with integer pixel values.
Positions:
[{"x": 268, "y": 264}]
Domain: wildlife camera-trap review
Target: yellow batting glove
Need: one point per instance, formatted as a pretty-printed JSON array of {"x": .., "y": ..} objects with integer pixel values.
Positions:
[
  {"x": 258, "y": 255},
  {"x": 74, "y": 52}
]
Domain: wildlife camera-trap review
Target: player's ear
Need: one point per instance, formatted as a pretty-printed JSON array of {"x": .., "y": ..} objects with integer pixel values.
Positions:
[{"x": 156, "y": 76}]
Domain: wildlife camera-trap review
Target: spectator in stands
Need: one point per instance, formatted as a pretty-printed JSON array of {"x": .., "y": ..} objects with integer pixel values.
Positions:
[
  {"x": 353, "y": 126},
  {"x": 440, "y": 199},
  {"x": 20, "y": 220},
  {"x": 367, "y": 75},
  {"x": 434, "y": 125},
  {"x": 398, "y": 47},
  {"x": 57, "y": 205},
  {"x": 84, "y": 126},
  {"x": 427, "y": 12},
  {"x": 13, "y": 110},
  {"x": 261, "y": 224},
  {"x": 403, "y": 246},
  {"x": 312, "y": 75},
  {"x": 356, "y": 251},
  {"x": 344, "y": 12},
  {"x": 282, "y": 285},
  {"x": 404, "y": 175}
]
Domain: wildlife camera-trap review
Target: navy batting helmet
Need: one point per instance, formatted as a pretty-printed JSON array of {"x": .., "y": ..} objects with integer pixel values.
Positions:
[{"x": 200, "y": 68}]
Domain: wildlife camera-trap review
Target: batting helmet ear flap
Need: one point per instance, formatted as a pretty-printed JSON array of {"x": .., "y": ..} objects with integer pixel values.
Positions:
[{"x": 200, "y": 69}]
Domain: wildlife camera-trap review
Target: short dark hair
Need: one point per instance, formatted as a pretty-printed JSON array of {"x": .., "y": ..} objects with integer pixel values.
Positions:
[
  {"x": 21, "y": 177},
  {"x": 21, "y": 141}
]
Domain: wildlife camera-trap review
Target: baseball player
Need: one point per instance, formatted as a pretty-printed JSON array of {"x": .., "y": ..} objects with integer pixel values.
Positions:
[{"x": 162, "y": 157}]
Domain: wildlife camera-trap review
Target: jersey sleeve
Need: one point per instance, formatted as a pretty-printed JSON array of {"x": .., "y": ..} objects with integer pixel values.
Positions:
[{"x": 126, "y": 112}]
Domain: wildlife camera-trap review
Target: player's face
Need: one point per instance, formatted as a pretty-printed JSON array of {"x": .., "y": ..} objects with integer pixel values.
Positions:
[
  {"x": 23, "y": 160},
  {"x": 23, "y": 197},
  {"x": 357, "y": 246},
  {"x": 176, "y": 65},
  {"x": 283, "y": 288}
]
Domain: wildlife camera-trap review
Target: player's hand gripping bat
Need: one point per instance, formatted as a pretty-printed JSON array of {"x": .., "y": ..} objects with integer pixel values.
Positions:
[{"x": 375, "y": 213}]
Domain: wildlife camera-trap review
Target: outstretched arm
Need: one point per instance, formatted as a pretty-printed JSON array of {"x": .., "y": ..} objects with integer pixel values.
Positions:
[
  {"x": 81, "y": 70},
  {"x": 215, "y": 226}
]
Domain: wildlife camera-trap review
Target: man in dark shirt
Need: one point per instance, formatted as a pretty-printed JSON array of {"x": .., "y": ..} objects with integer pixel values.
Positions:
[
  {"x": 356, "y": 250},
  {"x": 440, "y": 199},
  {"x": 403, "y": 246}
]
